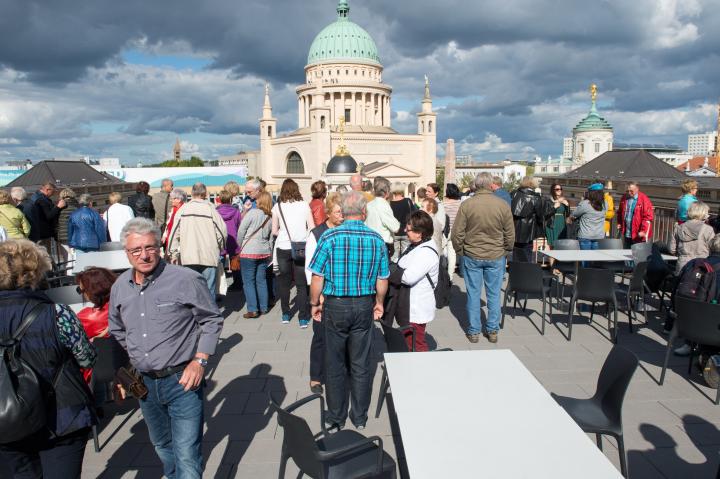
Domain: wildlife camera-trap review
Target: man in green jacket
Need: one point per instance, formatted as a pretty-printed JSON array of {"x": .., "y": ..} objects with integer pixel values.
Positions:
[{"x": 483, "y": 234}]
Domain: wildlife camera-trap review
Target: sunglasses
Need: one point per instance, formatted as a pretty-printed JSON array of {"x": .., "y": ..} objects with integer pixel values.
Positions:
[
  {"x": 558, "y": 189},
  {"x": 79, "y": 291}
]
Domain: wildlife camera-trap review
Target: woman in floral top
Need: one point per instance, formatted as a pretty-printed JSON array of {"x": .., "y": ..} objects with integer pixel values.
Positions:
[{"x": 23, "y": 266}]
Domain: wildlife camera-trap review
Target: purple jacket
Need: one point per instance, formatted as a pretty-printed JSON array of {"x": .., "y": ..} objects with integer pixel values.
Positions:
[{"x": 232, "y": 218}]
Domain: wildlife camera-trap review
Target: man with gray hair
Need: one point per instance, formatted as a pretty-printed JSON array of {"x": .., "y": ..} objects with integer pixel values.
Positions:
[
  {"x": 498, "y": 190},
  {"x": 162, "y": 204},
  {"x": 483, "y": 233},
  {"x": 164, "y": 317},
  {"x": 350, "y": 270},
  {"x": 380, "y": 217},
  {"x": 198, "y": 235},
  {"x": 253, "y": 188}
]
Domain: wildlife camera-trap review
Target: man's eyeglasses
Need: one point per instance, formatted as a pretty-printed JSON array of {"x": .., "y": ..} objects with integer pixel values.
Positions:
[{"x": 136, "y": 252}]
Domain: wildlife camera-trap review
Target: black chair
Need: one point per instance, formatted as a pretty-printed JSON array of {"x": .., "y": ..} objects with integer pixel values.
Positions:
[
  {"x": 641, "y": 252},
  {"x": 566, "y": 269},
  {"x": 110, "y": 357},
  {"x": 111, "y": 246},
  {"x": 64, "y": 295},
  {"x": 345, "y": 454},
  {"x": 394, "y": 343},
  {"x": 602, "y": 413},
  {"x": 636, "y": 292},
  {"x": 597, "y": 286},
  {"x": 527, "y": 278},
  {"x": 610, "y": 243},
  {"x": 697, "y": 322}
]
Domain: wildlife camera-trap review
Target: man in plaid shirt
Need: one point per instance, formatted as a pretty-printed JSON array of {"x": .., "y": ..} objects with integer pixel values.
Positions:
[{"x": 350, "y": 270}]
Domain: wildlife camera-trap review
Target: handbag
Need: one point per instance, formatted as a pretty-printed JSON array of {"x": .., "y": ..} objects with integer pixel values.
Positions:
[
  {"x": 131, "y": 382},
  {"x": 235, "y": 260},
  {"x": 297, "y": 248}
]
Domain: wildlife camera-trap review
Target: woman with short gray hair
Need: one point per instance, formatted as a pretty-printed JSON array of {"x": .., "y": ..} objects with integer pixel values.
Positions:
[
  {"x": 178, "y": 198},
  {"x": 692, "y": 238},
  {"x": 86, "y": 229}
]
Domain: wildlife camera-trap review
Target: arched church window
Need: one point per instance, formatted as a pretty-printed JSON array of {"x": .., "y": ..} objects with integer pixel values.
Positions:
[
  {"x": 322, "y": 122},
  {"x": 269, "y": 131},
  {"x": 295, "y": 164},
  {"x": 597, "y": 147},
  {"x": 430, "y": 126}
]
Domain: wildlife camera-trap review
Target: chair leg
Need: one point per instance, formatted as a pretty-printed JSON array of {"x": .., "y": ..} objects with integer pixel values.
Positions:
[
  {"x": 630, "y": 311},
  {"x": 504, "y": 308},
  {"x": 525, "y": 303},
  {"x": 598, "y": 440},
  {"x": 717, "y": 397},
  {"x": 623, "y": 457},
  {"x": 671, "y": 339},
  {"x": 642, "y": 298},
  {"x": 283, "y": 464},
  {"x": 542, "y": 317},
  {"x": 570, "y": 316},
  {"x": 592, "y": 311},
  {"x": 615, "y": 322},
  {"x": 690, "y": 361},
  {"x": 96, "y": 439},
  {"x": 383, "y": 391}
]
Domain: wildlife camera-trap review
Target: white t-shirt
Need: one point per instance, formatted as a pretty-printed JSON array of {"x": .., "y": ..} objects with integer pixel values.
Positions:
[
  {"x": 115, "y": 218},
  {"x": 296, "y": 215}
]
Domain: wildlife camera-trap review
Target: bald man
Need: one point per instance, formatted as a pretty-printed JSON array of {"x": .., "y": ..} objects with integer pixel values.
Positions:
[{"x": 356, "y": 182}]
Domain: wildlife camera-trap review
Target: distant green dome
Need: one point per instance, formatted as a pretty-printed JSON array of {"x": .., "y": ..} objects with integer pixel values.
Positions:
[
  {"x": 343, "y": 40},
  {"x": 593, "y": 121}
]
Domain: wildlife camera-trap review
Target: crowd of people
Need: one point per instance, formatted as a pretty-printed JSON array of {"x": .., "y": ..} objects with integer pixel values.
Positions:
[{"x": 365, "y": 252}]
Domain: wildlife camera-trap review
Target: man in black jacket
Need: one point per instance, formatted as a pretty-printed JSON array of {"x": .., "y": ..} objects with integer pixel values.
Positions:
[
  {"x": 44, "y": 216},
  {"x": 529, "y": 212}
]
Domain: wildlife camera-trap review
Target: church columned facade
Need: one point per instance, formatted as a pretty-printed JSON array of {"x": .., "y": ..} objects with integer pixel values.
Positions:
[{"x": 344, "y": 110}]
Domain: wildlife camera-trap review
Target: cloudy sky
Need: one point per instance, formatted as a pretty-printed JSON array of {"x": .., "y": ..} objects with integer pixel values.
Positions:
[{"x": 509, "y": 78}]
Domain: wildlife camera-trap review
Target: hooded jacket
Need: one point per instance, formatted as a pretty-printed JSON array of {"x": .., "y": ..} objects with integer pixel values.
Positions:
[
  {"x": 690, "y": 240},
  {"x": 232, "y": 217}
]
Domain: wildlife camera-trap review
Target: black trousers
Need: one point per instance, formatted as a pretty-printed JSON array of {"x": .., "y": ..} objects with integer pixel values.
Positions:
[
  {"x": 39, "y": 457},
  {"x": 317, "y": 352},
  {"x": 290, "y": 269}
]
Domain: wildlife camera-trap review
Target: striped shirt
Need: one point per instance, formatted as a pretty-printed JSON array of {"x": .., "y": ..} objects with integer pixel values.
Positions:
[{"x": 351, "y": 258}]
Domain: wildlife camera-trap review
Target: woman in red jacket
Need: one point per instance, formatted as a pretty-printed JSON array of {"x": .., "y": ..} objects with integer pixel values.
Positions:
[{"x": 94, "y": 285}]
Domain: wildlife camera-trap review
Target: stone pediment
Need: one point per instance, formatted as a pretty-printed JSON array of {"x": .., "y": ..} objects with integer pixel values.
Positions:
[{"x": 388, "y": 170}]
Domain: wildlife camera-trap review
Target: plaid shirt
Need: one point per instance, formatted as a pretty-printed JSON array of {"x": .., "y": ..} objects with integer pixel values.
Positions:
[{"x": 351, "y": 258}]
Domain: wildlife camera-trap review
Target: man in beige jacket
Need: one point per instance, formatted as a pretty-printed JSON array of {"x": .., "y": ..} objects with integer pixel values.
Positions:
[
  {"x": 483, "y": 233},
  {"x": 199, "y": 234}
]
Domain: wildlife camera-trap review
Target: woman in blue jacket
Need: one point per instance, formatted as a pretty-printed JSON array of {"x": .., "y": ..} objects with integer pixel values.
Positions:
[{"x": 86, "y": 228}]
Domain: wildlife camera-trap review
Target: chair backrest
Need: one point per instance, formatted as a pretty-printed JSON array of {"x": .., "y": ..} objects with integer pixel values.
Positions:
[
  {"x": 614, "y": 379},
  {"x": 64, "y": 295},
  {"x": 610, "y": 243},
  {"x": 525, "y": 277},
  {"x": 298, "y": 441},
  {"x": 698, "y": 321},
  {"x": 567, "y": 244},
  {"x": 110, "y": 357},
  {"x": 111, "y": 246},
  {"x": 595, "y": 283},
  {"x": 638, "y": 277},
  {"x": 394, "y": 340},
  {"x": 641, "y": 252}
]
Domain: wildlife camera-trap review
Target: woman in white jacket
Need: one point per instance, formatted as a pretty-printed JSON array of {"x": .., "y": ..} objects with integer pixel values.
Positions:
[{"x": 421, "y": 264}]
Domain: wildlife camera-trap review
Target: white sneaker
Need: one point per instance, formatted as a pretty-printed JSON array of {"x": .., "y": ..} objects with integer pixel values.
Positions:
[{"x": 683, "y": 350}]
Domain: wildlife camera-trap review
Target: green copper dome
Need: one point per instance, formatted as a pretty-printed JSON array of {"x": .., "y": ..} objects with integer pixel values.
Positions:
[
  {"x": 593, "y": 121},
  {"x": 343, "y": 40}
]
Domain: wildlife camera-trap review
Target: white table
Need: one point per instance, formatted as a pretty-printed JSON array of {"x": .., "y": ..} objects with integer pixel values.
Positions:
[
  {"x": 626, "y": 255},
  {"x": 113, "y": 260},
  {"x": 604, "y": 255},
  {"x": 469, "y": 414}
]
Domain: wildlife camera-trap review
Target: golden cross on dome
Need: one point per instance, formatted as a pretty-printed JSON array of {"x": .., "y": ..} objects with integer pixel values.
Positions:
[{"x": 593, "y": 92}]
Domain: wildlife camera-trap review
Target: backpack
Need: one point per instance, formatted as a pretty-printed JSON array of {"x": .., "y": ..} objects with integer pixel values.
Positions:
[
  {"x": 442, "y": 288},
  {"x": 698, "y": 281},
  {"x": 22, "y": 402}
]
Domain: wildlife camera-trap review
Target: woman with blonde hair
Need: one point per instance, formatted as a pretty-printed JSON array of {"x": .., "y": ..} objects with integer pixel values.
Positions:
[
  {"x": 12, "y": 220},
  {"x": 692, "y": 238},
  {"x": 55, "y": 346},
  {"x": 255, "y": 249}
]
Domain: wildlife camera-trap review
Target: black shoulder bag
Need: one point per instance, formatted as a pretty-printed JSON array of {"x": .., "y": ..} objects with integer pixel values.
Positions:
[{"x": 297, "y": 248}]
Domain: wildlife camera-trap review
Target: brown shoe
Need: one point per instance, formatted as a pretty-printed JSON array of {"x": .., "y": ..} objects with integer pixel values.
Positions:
[
  {"x": 492, "y": 336},
  {"x": 251, "y": 315},
  {"x": 473, "y": 338}
]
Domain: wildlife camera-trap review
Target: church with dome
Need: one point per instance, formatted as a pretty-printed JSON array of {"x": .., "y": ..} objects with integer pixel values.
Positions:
[
  {"x": 593, "y": 136},
  {"x": 344, "y": 119}
]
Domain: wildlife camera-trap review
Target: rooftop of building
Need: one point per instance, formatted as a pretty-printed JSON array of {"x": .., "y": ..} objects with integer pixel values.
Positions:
[{"x": 63, "y": 174}]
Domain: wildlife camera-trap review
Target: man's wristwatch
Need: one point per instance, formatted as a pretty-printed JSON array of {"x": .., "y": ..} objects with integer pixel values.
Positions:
[{"x": 201, "y": 361}]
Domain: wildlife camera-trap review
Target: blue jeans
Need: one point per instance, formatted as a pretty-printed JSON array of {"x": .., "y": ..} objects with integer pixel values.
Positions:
[
  {"x": 588, "y": 243},
  {"x": 489, "y": 272},
  {"x": 175, "y": 423},
  {"x": 210, "y": 275},
  {"x": 348, "y": 337},
  {"x": 255, "y": 283}
]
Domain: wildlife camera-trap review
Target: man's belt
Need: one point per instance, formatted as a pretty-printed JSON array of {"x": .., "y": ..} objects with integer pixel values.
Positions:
[{"x": 163, "y": 373}]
